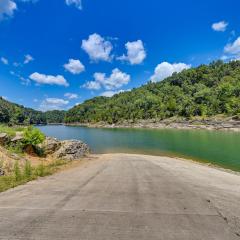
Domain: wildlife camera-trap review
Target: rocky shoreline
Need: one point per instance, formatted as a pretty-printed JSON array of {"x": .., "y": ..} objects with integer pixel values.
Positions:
[
  {"x": 50, "y": 150},
  {"x": 227, "y": 125},
  {"x": 67, "y": 150}
]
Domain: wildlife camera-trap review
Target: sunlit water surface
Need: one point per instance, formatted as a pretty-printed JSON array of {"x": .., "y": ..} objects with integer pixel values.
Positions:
[{"x": 216, "y": 147}]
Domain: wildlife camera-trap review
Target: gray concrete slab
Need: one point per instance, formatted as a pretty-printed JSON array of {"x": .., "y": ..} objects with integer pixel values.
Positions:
[{"x": 124, "y": 196}]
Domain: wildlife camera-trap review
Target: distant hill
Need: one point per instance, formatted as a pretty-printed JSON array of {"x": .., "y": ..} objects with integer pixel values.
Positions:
[
  {"x": 17, "y": 114},
  {"x": 55, "y": 116},
  {"x": 12, "y": 113},
  {"x": 205, "y": 91}
]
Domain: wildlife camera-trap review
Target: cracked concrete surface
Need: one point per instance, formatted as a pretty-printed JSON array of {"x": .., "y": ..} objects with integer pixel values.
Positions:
[{"x": 122, "y": 196}]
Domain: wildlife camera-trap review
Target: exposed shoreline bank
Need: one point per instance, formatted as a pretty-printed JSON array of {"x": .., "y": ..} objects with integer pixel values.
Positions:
[{"x": 167, "y": 124}]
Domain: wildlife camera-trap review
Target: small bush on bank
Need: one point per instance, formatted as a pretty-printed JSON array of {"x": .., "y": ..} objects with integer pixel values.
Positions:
[
  {"x": 16, "y": 148},
  {"x": 17, "y": 171},
  {"x": 33, "y": 136},
  {"x": 28, "y": 169}
]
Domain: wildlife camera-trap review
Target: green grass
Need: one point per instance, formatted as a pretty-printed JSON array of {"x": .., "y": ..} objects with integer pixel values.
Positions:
[
  {"x": 22, "y": 175},
  {"x": 29, "y": 173},
  {"x": 11, "y": 131}
]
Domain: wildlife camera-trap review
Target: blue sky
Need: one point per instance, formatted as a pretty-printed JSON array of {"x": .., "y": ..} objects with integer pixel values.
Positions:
[{"x": 56, "y": 53}]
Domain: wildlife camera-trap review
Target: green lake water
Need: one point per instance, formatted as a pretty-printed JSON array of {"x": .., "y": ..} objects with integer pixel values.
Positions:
[{"x": 216, "y": 147}]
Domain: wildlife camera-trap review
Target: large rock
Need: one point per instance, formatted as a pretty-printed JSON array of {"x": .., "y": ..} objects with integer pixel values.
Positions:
[
  {"x": 4, "y": 138},
  {"x": 50, "y": 145},
  {"x": 18, "y": 138},
  {"x": 72, "y": 150}
]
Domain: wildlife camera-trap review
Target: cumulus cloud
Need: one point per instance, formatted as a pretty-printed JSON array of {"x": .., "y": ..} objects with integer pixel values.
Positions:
[
  {"x": 4, "y": 60},
  {"x": 7, "y": 8},
  {"x": 28, "y": 58},
  {"x": 71, "y": 95},
  {"x": 135, "y": 52},
  {"x": 49, "y": 79},
  {"x": 112, "y": 93},
  {"x": 97, "y": 48},
  {"x": 233, "y": 48},
  {"x": 74, "y": 66},
  {"x": 76, "y": 3},
  {"x": 53, "y": 104},
  {"x": 165, "y": 69},
  {"x": 116, "y": 80},
  {"x": 220, "y": 26},
  {"x": 92, "y": 85}
]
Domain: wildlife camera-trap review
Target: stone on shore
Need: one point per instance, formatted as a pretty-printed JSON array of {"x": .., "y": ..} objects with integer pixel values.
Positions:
[
  {"x": 72, "y": 150},
  {"x": 66, "y": 150},
  {"x": 4, "y": 138},
  {"x": 51, "y": 145},
  {"x": 18, "y": 138}
]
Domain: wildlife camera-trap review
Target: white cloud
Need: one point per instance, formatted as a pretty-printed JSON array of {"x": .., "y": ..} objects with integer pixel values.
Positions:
[
  {"x": 92, "y": 85},
  {"x": 76, "y": 3},
  {"x": 135, "y": 52},
  {"x": 97, "y": 48},
  {"x": 53, "y": 104},
  {"x": 112, "y": 93},
  {"x": 28, "y": 59},
  {"x": 220, "y": 26},
  {"x": 71, "y": 95},
  {"x": 4, "y": 97},
  {"x": 4, "y": 60},
  {"x": 32, "y": 1},
  {"x": 233, "y": 48},
  {"x": 25, "y": 81},
  {"x": 165, "y": 69},
  {"x": 49, "y": 79},
  {"x": 7, "y": 8},
  {"x": 109, "y": 93},
  {"x": 116, "y": 80},
  {"x": 74, "y": 66}
]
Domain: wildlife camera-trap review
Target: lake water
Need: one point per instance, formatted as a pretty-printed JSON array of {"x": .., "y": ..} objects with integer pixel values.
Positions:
[{"x": 216, "y": 147}]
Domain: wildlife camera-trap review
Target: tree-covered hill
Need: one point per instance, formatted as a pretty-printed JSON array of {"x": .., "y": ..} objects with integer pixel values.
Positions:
[
  {"x": 12, "y": 113},
  {"x": 55, "y": 116},
  {"x": 206, "y": 91}
]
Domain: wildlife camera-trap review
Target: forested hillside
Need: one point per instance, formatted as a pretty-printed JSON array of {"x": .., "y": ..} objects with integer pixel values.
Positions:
[
  {"x": 55, "y": 116},
  {"x": 205, "y": 91},
  {"x": 12, "y": 113}
]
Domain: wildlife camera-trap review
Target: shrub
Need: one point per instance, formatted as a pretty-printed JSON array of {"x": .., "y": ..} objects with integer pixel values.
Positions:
[
  {"x": 28, "y": 170},
  {"x": 33, "y": 136},
  {"x": 40, "y": 170},
  {"x": 17, "y": 171}
]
